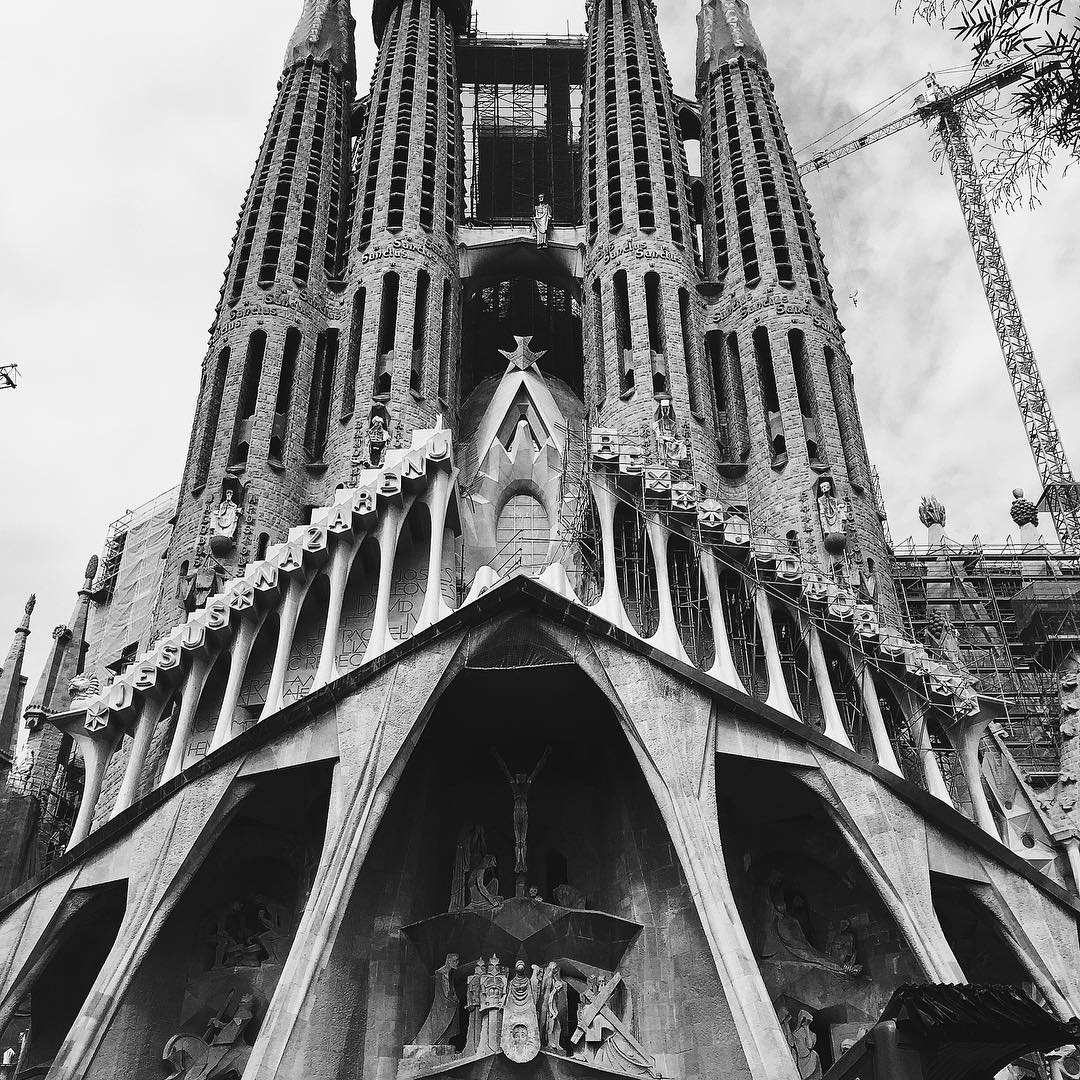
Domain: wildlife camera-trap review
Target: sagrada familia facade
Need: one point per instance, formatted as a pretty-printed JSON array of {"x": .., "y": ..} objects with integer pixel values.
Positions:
[{"x": 525, "y": 688}]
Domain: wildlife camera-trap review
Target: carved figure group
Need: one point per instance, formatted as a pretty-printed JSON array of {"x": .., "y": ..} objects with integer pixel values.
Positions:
[
  {"x": 604, "y": 1038},
  {"x": 786, "y": 940},
  {"x": 802, "y": 1040},
  {"x": 221, "y": 1052},
  {"x": 249, "y": 934},
  {"x": 517, "y": 1013}
]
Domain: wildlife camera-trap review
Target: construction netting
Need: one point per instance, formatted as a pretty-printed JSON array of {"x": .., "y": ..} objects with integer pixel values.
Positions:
[{"x": 127, "y": 592}]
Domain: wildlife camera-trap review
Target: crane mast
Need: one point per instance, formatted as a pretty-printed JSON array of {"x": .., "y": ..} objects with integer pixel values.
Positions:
[
  {"x": 1060, "y": 493},
  {"x": 1059, "y": 487}
]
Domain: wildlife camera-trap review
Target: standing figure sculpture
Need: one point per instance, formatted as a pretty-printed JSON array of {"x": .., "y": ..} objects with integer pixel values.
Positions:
[
  {"x": 492, "y": 999},
  {"x": 442, "y": 1025},
  {"x": 542, "y": 217},
  {"x": 520, "y": 1027},
  {"x": 519, "y": 787},
  {"x": 472, "y": 1008}
]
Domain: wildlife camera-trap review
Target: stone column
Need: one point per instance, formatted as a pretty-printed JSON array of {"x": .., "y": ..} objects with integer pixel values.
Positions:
[
  {"x": 185, "y": 722},
  {"x": 140, "y": 747},
  {"x": 667, "y": 635},
  {"x": 243, "y": 643},
  {"x": 883, "y": 746},
  {"x": 95, "y": 754},
  {"x": 778, "y": 698},
  {"x": 724, "y": 665},
  {"x": 834, "y": 725}
]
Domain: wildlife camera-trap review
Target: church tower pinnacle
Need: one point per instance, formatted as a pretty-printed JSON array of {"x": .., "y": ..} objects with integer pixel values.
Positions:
[
  {"x": 265, "y": 419},
  {"x": 783, "y": 379}
]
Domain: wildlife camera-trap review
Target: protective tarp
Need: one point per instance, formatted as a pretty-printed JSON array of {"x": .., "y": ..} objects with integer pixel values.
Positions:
[{"x": 123, "y": 622}]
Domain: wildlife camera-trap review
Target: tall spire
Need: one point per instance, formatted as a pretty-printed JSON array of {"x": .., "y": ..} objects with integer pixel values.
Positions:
[
  {"x": 324, "y": 33},
  {"x": 725, "y": 33},
  {"x": 11, "y": 687},
  {"x": 65, "y": 657}
]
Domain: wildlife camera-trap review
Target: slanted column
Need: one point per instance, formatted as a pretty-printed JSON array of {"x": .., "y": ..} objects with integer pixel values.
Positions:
[
  {"x": 185, "y": 722},
  {"x": 883, "y": 746},
  {"x": 723, "y": 667},
  {"x": 140, "y": 748},
  {"x": 834, "y": 724},
  {"x": 438, "y": 502},
  {"x": 916, "y": 719},
  {"x": 289, "y": 616},
  {"x": 667, "y": 635},
  {"x": 95, "y": 754},
  {"x": 243, "y": 643},
  {"x": 389, "y": 532},
  {"x": 610, "y": 605},
  {"x": 340, "y": 565},
  {"x": 1072, "y": 849},
  {"x": 778, "y": 698}
]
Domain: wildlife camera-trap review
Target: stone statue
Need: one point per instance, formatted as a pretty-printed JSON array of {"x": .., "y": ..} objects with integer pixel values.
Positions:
[
  {"x": 220, "y": 1053},
  {"x": 472, "y": 1008},
  {"x": 493, "y": 988},
  {"x": 802, "y": 1042},
  {"x": 86, "y": 685},
  {"x": 670, "y": 446},
  {"x": 832, "y": 517},
  {"x": 519, "y": 786},
  {"x": 542, "y": 221},
  {"x": 784, "y": 939},
  {"x": 471, "y": 852},
  {"x": 225, "y": 523},
  {"x": 868, "y": 582},
  {"x": 377, "y": 438},
  {"x": 931, "y": 512},
  {"x": 841, "y": 948},
  {"x": 484, "y": 886},
  {"x": 442, "y": 1026},
  {"x": 552, "y": 1008},
  {"x": 520, "y": 1040},
  {"x": 31, "y": 604},
  {"x": 604, "y": 1038}
]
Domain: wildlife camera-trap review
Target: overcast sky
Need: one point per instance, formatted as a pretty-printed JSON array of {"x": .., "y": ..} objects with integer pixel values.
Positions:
[{"x": 130, "y": 133}]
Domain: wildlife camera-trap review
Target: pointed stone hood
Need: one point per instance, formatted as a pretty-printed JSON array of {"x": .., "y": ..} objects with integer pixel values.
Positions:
[
  {"x": 725, "y": 32},
  {"x": 11, "y": 687},
  {"x": 325, "y": 33},
  {"x": 53, "y": 693}
]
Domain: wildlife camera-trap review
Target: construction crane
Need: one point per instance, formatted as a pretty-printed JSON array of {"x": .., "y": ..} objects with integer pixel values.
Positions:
[
  {"x": 8, "y": 376},
  {"x": 940, "y": 107}
]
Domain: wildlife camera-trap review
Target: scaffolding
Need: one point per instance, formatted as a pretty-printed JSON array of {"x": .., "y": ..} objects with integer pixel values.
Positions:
[
  {"x": 1016, "y": 613},
  {"x": 521, "y": 103}
]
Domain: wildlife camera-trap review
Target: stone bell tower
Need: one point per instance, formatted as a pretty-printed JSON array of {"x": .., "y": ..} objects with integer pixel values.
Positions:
[
  {"x": 640, "y": 292},
  {"x": 404, "y": 289},
  {"x": 783, "y": 378},
  {"x": 260, "y": 440}
]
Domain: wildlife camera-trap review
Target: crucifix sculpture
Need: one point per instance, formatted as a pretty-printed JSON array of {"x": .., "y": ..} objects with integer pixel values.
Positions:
[{"x": 519, "y": 787}]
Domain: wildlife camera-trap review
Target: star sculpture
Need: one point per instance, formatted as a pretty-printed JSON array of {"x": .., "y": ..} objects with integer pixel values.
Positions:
[{"x": 523, "y": 357}]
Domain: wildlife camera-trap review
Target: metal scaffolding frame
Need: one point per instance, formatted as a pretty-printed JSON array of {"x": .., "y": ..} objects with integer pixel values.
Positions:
[{"x": 1014, "y": 610}]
